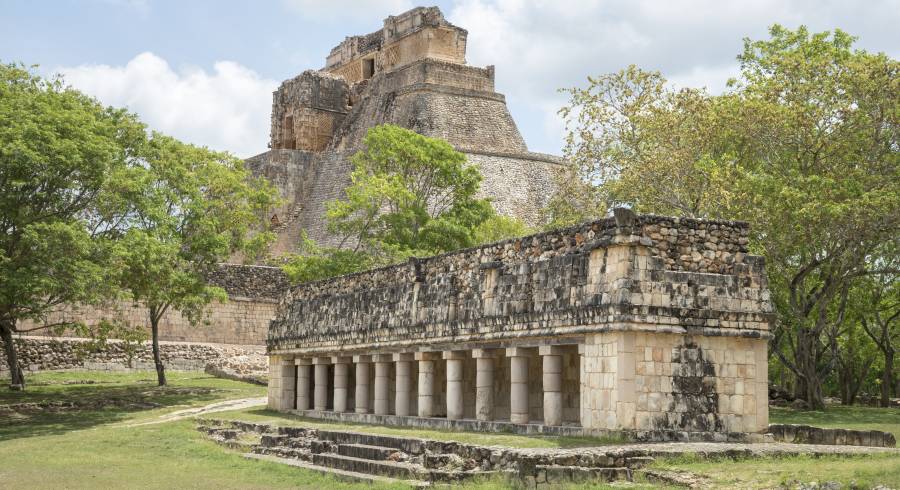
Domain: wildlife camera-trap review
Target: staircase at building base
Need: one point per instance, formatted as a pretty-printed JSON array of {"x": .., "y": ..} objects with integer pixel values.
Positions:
[{"x": 416, "y": 462}]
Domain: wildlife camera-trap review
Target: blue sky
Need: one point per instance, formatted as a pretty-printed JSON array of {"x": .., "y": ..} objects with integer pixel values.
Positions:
[{"x": 204, "y": 70}]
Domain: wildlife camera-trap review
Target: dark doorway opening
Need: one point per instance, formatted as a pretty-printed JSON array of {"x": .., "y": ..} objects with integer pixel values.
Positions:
[{"x": 368, "y": 68}]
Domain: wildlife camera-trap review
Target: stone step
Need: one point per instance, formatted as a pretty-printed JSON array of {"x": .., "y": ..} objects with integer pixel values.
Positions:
[
  {"x": 272, "y": 440},
  {"x": 404, "y": 471},
  {"x": 365, "y": 451},
  {"x": 340, "y": 474},
  {"x": 409, "y": 445},
  {"x": 284, "y": 452},
  {"x": 579, "y": 474}
]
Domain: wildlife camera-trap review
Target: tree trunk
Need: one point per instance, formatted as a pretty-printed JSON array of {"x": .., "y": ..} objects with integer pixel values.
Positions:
[
  {"x": 809, "y": 385},
  {"x": 160, "y": 368},
  {"x": 887, "y": 378},
  {"x": 16, "y": 376}
]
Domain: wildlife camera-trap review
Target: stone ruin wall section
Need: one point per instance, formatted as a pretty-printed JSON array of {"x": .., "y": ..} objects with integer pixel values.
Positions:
[
  {"x": 670, "y": 318},
  {"x": 253, "y": 293},
  {"x": 673, "y": 274}
]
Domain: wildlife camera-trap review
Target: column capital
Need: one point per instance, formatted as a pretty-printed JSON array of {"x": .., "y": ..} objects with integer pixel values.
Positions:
[
  {"x": 483, "y": 353},
  {"x": 550, "y": 350},
  {"x": 518, "y": 351},
  {"x": 403, "y": 357},
  {"x": 286, "y": 362},
  {"x": 383, "y": 358},
  {"x": 303, "y": 361},
  {"x": 453, "y": 354},
  {"x": 427, "y": 356},
  {"x": 321, "y": 360},
  {"x": 341, "y": 359},
  {"x": 362, "y": 359}
]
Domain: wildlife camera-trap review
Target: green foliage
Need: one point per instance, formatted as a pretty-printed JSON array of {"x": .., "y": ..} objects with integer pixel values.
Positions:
[
  {"x": 499, "y": 227},
  {"x": 804, "y": 145},
  {"x": 314, "y": 262},
  {"x": 129, "y": 337},
  {"x": 410, "y": 196},
  {"x": 634, "y": 141},
  {"x": 59, "y": 151},
  {"x": 192, "y": 208},
  {"x": 91, "y": 206}
]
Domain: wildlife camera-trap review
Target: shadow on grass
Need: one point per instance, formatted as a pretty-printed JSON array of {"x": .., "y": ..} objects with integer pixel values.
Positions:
[
  {"x": 477, "y": 438},
  {"x": 57, "y": 409}
]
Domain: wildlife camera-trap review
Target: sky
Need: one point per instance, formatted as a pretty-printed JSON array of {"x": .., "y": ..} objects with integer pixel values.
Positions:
[{"x": 204, "y": 70}]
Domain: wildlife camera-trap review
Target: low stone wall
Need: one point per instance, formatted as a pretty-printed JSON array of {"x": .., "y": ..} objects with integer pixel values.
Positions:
[
  {"x": 805, "y": 434},
  {"x": 46, "y": 353}
]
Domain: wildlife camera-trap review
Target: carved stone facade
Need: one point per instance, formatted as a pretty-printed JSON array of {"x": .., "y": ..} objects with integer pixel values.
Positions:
[
  {"x": 410, "y": 73},
  {"x": 650, "y": 325}
]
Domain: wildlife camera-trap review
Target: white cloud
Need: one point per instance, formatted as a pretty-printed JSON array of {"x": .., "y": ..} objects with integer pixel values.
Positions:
[
  {"x": 225, "y": 109},
  {"x": 374, "y": 10},
  {"x": 540, "y": 46}
]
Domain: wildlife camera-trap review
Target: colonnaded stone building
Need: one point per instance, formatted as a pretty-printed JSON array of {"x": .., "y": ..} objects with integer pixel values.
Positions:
[
  {"x": 411, "y": 73},
  {"x": 653, "y": 326}
]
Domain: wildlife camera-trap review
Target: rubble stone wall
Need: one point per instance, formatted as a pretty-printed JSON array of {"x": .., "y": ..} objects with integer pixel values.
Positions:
[
  {"x": 673, "y": 273},
  {"x": 44, "y": 354}
]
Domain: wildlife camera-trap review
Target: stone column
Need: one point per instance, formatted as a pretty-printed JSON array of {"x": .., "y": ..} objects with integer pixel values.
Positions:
[
  {"x": 320, "y": 397},
  {"x": 551, "y": 359},
  {"x": 288, "y": 384},
  {"x": 362, "y": 383},
  {"x": 382, "y": 383},
  {"x": 484, "y": 384},
  {"x": 303, "y": 373},
  {"x": 341, "y": 379},
  {"x": 426, "y": 382},
  {"x": 403, "y": 383},
  {"x": 454, "y": 384},
  {"x": 518, "y": 381}
]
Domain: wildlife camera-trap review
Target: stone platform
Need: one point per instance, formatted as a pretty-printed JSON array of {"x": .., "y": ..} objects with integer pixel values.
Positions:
[
  {"x": 507, "y": 427},
  {"x": 375, "y": 457}
]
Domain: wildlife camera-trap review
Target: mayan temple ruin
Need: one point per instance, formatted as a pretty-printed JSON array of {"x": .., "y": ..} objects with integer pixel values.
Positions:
[
  {"x": 411, "y": 73},
  {"x": 653, "y": 326}
]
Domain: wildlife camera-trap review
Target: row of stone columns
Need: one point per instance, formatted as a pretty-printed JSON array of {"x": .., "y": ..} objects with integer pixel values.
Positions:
[{"x": 551, "y": 358}]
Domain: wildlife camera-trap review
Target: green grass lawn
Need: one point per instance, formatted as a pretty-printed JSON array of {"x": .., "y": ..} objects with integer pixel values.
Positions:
[
  {"x": 865, "y": 471},
  {"x": 96, "y": 445},
  {"x": 839, "y": 416}
]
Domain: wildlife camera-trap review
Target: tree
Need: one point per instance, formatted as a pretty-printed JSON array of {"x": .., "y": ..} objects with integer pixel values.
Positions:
[
  {"x": 411, "y": 195},
  {"x": 193, "y": 209},
  {"x": 633, "y": 141},
  {"x": 803, "y": 145},
  {"x": 59, "y": 151},
  {"x": 880, "y": 319},
  {"x": 820, "y": 180}
]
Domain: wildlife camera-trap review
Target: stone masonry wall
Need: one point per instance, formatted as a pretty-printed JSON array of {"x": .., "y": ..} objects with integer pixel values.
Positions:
[
  {"x": 42, "y": 354},
  {"x": 666, "y": 382},
  {"x": 694, "y": 275},
  {"x": 243, "y": 319}
]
